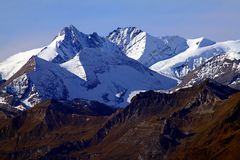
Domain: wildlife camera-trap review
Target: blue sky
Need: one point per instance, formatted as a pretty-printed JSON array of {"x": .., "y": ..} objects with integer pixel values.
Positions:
[{"x": 29, "y": 24}]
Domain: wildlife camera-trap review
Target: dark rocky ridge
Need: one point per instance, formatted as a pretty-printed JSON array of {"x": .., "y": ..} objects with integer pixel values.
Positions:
[{"x": 153, "y": 126}]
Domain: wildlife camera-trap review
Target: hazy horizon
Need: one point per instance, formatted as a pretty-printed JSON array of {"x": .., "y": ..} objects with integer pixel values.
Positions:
[{"x": 29, "y": 24}]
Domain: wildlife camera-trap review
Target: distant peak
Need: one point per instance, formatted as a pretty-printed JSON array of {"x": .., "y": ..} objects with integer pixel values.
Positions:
[
  {"x": 66, "y": 33},
  {"x": 130, "y": 29},
  {"x": 201, "y": 42},
  {"x": 72, "y": 32},
  {"x": 126, "y": 31},
  {"x": 94, "y": 35},
  {"x": 69, "y": 29},
  {"x": 204, "y": 42}
]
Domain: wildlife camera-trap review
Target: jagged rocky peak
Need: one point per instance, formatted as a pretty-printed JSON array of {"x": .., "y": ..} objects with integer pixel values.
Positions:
[
  {"x": 145, "y": 48},
  {"x": 123, "y": 36},
  {"x": 68, "y": 34},
  {"x": 71, "y": 29},
  {"x": 72, "y": 34},
  {"x": 126, "y": 32},
  {"x": 70, "y": 41}
]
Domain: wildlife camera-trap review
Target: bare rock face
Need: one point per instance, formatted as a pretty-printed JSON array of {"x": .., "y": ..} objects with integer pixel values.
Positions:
[{"x": 37, "y": 131}]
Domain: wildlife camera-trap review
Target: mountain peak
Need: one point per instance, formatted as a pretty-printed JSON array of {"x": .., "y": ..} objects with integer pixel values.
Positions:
[
  {"x": 78, "y": 39},
  {"x": 130, "y": 29},
  {"x": 68, "y": 30},
  {"x": 145, "y": 48},
  {"x": 69, "y": 42},
  {"x": 200, "y": 42},
  {"x": 205, "y": 42},
  {"x": 72, "y": 32},
  {"x": 67, "y": 34},
  {"x": 125, "y": 31}
]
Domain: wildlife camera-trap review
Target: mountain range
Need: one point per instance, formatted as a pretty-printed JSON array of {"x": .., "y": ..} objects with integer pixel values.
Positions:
[
  {"x": 78, "y": 65},
  {"x": 111, "y": 69},
  {"x": 129, "y": 95}
]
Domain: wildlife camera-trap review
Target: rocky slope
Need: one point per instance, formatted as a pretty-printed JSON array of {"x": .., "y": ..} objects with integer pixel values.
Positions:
[
  {"x": 31, "y": 134},
  {"x": 225, "y": 69},
  {"x": 156, "y": 125}
]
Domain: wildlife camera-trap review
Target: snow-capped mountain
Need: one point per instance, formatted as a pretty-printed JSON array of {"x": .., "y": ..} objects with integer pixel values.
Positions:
[
  {"x": 63, "y": 48},
  {"x": 77, "y": 65},
  {"x": 199, "y": 51},
  {"x": 111, "y": 69},
  {"x": 172, "y": 56},
  {"x": 223, "y": 68},
  {"x": 145, "y": 48}
]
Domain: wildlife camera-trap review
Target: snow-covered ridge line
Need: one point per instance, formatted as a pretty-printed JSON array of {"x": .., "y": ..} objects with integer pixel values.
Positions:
[
  {"x": 181, "y": 64},
  {"x": 173, "y": 56}
]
